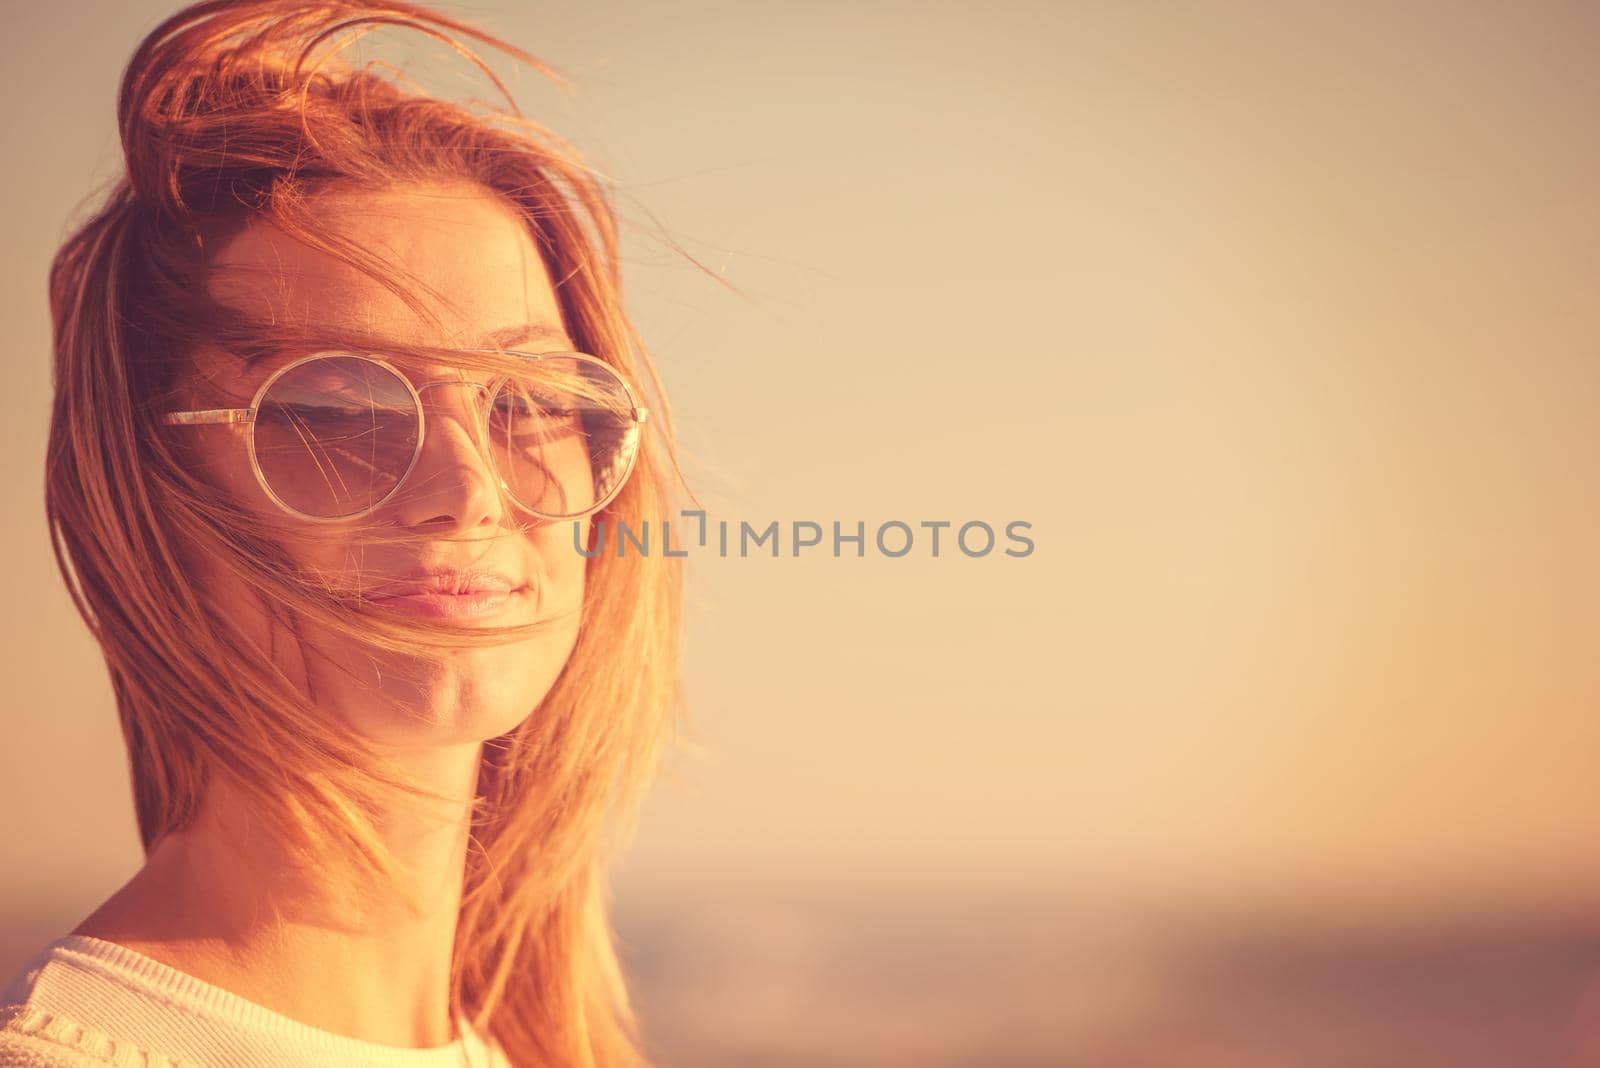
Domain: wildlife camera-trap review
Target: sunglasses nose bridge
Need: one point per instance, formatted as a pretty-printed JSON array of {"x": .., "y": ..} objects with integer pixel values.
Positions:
[
  {"x": 481, "y": 387},
  {"x": 480, "y": 392}
]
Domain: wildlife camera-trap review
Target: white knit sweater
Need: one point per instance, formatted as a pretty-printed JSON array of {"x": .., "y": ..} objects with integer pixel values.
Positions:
[{"x": 85, "y": 1002}]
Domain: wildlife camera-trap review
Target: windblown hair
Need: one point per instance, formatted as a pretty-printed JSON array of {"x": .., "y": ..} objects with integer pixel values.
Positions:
[{"x": 236, "y": 112}]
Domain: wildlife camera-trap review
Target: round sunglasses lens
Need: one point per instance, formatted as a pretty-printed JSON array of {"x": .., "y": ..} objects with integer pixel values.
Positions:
[
  {"x": 563, "y": 436},
  {"x": 335, "y": 435}
]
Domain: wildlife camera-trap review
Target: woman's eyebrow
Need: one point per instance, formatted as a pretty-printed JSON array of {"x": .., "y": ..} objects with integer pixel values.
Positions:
[
  {"x": 522, "y": 334},
  {"x": 263, "y": 344}
]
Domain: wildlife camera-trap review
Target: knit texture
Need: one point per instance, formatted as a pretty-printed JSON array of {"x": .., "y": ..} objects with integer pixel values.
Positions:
[{"x": 83, "y": 1002}]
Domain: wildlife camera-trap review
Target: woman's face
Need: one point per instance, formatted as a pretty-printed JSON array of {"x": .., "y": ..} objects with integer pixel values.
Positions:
[{"x": 484, "y": 280}]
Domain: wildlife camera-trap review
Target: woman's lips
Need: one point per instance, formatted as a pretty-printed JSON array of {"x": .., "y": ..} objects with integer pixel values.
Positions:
[
  {"x": 448, "y": 595},
  {"x": 453, "y": 607}
]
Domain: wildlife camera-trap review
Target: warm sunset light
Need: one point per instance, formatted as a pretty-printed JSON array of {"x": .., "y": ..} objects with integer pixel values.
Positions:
[{"x": 1255, "y": 347}]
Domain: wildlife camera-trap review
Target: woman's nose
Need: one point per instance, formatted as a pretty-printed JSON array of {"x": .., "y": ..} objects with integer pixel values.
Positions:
[{"x": 452, "y": 482}]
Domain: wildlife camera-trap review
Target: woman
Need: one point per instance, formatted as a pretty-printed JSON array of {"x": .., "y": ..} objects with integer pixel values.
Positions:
[{"x": 343, "y": 395}]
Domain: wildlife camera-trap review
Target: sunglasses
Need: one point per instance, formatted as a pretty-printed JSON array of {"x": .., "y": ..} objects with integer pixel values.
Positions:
[{"x": 333, "y": 436}]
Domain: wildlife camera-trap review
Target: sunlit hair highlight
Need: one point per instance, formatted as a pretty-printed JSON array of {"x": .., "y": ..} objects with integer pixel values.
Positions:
[{"x": 234, "y": 113}]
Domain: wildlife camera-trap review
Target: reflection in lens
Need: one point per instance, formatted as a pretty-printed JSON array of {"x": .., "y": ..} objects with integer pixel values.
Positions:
[
  {"x": 334, "y": 435},
  {"x": 563, "y": 436}
]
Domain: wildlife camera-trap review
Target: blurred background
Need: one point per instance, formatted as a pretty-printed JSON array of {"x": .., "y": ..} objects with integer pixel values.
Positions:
[{"x": 1278, "y": 323}]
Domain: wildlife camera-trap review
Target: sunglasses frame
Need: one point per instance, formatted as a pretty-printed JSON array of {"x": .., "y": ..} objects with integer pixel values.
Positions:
[{"x": 247, "y": 417}]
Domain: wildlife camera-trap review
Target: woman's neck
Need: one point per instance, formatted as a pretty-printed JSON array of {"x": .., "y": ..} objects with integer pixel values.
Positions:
[{"x": 228, "y": 905}]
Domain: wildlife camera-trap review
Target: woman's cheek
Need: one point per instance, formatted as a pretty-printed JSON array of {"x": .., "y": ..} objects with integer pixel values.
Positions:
[{"x": 559, "y": 566}]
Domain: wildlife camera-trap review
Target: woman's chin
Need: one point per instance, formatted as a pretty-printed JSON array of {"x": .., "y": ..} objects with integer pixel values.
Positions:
[
  {"x": 478, "y": 695},
  {"x": 466, "y": 706}
]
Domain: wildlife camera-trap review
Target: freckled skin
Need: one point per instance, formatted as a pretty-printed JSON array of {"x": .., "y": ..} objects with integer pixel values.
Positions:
[{"x": 477, "y": 256}]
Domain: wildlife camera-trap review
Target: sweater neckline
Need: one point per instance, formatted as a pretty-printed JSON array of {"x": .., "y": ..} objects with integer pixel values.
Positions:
[{"x": 150, "y": 977}]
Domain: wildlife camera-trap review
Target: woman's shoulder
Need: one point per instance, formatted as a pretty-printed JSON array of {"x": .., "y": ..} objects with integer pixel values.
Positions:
[
  {"x": 38, "y": 1032},
  {"x": 33, "y": 1038}
]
